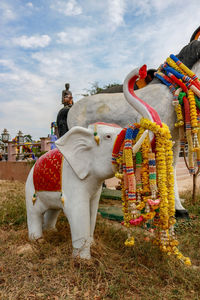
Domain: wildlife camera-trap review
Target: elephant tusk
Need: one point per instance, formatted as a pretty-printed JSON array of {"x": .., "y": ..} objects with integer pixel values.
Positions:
[
  {"x": 96, "y": 137},
  {"x": 137, "y": 146}
]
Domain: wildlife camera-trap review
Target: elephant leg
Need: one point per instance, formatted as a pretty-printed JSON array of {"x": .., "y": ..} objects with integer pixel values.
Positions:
[
  {"x": 78, "y": 215},
  {"x": 181, "y": 212},
  {"x": 50, "y": 219},
  {"x": 34, "y": 220},
  {"x": 94, "y": 203},
  {"x": 34, "y": 213}
]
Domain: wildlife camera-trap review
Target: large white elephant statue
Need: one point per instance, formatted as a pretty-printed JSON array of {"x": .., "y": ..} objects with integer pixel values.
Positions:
[
  {"x": 114, "y": 108},
  {"x": 71, "y": 179}
]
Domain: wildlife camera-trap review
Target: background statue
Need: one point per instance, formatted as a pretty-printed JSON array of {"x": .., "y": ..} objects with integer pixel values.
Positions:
[{"x": 67, "y": 101}]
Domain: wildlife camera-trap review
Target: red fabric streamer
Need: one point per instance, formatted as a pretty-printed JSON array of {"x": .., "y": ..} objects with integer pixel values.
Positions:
[
  {"x": 186, "y": 110},
  {"x": 119, "y": 140}
]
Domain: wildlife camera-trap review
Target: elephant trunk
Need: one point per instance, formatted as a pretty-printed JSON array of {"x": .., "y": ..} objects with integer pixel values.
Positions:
[{"x": 138, "y": 104}]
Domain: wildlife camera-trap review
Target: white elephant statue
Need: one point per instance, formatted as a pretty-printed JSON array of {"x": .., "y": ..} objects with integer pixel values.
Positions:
[
  {"x": 71, "y": 179},
  {"x": 114, "y": 108}
]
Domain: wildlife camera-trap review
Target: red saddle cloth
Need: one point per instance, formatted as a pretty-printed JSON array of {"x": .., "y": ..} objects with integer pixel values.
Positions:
[{"x": 47, "y": 174}]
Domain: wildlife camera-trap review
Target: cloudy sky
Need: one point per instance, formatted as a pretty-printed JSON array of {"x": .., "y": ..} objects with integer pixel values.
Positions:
[{"x": 46, "y": 43}]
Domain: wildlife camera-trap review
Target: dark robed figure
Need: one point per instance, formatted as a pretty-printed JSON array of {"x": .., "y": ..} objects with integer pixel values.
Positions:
[{"x": 67, "y": 101}]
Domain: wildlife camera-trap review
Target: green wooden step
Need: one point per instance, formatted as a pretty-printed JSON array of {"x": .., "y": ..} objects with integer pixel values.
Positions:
[
  {"x": 111, "y": 212},
  {"x": 110, "y": 194}
]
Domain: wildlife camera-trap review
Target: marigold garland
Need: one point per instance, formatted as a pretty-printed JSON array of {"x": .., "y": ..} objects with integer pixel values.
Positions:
[
  {"x": 179, "y": 115},
  {"x": 148, "y": 184}
]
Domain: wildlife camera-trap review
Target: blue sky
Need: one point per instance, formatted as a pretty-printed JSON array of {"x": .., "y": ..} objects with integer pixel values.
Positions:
[{"x": 46, "y": 43}]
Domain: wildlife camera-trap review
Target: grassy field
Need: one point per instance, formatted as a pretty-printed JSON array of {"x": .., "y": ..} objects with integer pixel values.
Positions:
[{"x": 46, "y": 270}]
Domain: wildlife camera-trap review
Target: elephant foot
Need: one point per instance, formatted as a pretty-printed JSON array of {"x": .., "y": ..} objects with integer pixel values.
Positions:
[
  {"x": 91, "y": 241},
  {"x": 81, "y": 248},
  {"x": 34, "y": 236},
  {"x": 81, "y": 253},
  {"x": 182, "y": 214}
]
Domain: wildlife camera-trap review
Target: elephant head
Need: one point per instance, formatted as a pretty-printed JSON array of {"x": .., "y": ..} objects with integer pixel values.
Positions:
[{"x": 89, "y": 150}]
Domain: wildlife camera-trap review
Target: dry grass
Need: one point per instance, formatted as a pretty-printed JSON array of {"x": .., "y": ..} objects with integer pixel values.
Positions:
[{"x": 46, "y": 270}]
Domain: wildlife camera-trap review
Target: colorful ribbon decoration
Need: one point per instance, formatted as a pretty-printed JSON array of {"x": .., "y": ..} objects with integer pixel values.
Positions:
[{"x": 185, "y": 87}]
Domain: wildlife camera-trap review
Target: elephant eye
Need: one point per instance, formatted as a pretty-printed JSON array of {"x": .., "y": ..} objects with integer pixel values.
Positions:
[{"x": 108, "y": 136}]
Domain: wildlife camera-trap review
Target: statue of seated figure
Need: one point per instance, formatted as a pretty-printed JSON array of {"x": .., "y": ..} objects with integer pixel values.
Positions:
[{"x": 67, "y": 101}]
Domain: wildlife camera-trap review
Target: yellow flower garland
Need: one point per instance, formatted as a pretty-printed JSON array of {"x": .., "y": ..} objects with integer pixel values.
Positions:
[
  {"x": 137, "y": 211},
  {"x": 162, "y": 135},
  {"x": 179, "y": 115},
  {"x": 193, "y": 111}
]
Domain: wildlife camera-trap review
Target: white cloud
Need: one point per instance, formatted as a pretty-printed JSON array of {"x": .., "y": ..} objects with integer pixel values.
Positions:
[
  {"x": 51, "y": 64},
  {"x": 24, "y": 115},
  {"x": 25, "y": 96},
  {"x": 69, "y": 8},
  {"x": 75, "y": 35},
  {"x": 148, "y": 7},
  {"x": 7, "y": 63},
  {"x": 116, "y": 10},
  {"x": 47, "y": 59},
  {"x": 29, "y": 4},
  {"x": 20, "y": 77},
  {"x": 7, "y": 12},
  {"x": 35, "y": 41}
]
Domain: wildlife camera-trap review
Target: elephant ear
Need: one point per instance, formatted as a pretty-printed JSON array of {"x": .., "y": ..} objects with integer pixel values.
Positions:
[{"x": 76, "y": 146}]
